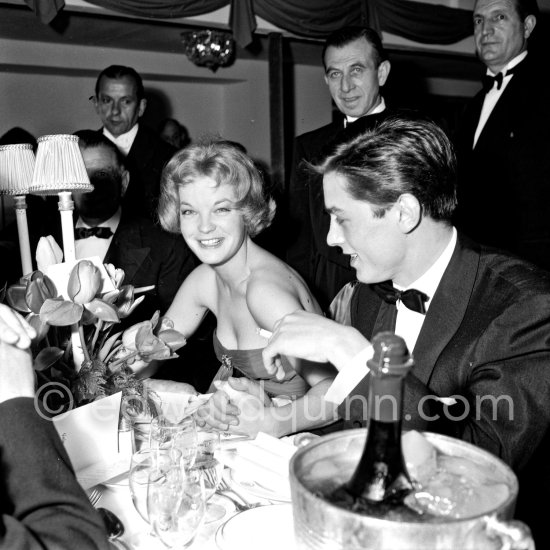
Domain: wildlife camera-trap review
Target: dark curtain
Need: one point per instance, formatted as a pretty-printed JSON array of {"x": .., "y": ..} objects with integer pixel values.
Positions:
[
  {"x": 424, "y": 23},
  {"x": 162, "y": 8},
  {"x": 45, "y": 10}
]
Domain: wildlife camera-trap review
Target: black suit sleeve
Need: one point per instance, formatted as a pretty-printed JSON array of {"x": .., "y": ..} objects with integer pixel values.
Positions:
[{"x": 42, "y": 504}]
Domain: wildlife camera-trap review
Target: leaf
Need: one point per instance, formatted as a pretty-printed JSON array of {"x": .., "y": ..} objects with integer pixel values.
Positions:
[
  {"x": 16, "y": 298},
  {"x": 61, "y": 313},
  {"x": 39, "y": 325},
  {"x": 104, "y": 351},
  {"x": 158, "y": 353},
  {"x": 111, "y": 297},
  {"x": 46, "y": 358},
  {"x": 173, "y": 338},
  {"x": 88, "y": 318},
  {"x": 38, "y": 290},
  {"x": 102, "y": 310},
  {"x": 155, "y": 318}
]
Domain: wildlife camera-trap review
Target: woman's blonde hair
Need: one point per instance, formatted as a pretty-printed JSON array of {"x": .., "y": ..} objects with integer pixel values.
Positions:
[{"x": 225, "y": 163}]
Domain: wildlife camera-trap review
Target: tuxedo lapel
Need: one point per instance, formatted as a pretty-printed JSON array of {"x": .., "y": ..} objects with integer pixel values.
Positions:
[
  {"x": 499, "y": 125},
  {"x": 127, "y": 250},
  {"x": 447, "y": 308}
]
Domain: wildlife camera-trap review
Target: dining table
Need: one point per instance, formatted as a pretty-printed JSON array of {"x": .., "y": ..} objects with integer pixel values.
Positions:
[{"x": 257, "y": 470}]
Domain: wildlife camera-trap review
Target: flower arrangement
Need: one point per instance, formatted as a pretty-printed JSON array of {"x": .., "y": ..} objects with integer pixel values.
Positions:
[{"x": 110, "y": 356}]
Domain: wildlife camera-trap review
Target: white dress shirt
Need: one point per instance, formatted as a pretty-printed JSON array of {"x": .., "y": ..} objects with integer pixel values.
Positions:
[
  {"x": 378, "y": 109},
  {"x": 94, "y": 246},
  {"x": 493, "y": 95},
  {"x": 408, "y": 325},
  {"x": 125, "y": 141}
]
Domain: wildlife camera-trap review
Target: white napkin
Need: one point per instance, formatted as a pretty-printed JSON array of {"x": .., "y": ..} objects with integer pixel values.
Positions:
[{"x": 264, "y": 460}]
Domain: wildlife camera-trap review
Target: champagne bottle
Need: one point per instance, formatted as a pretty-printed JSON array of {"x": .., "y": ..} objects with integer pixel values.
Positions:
[{"x": 381, "y": 481}]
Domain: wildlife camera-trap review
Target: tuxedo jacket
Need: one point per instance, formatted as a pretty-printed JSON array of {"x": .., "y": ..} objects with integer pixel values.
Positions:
[
  {"x": 150, "y": 256},
  {"x": 325, "y": 268},
  {"x": 486, "y": 333},
  {"x": 504, "y": 182},
  {"x": 145, "y": 161},
  {"x": 42, "y": 506}
]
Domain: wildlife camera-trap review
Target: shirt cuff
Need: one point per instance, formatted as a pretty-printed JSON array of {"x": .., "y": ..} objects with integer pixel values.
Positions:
[{"x": 349, "y": 376}]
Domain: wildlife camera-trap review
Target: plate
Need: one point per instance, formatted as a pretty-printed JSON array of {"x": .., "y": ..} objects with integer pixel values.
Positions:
[
  {"x": 241, "y": 481},
  {"x": 267, "y": 527}
]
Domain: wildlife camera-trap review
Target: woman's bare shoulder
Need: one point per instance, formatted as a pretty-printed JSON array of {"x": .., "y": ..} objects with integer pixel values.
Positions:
[
  {"x": 199, "y": 284},
  {"x": 276, "y": 286}
]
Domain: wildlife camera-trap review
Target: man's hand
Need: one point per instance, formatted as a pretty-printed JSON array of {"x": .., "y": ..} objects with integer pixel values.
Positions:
[
  {"x": 218, "y": 412},
  {"x": 14, "y": 329},
  {"x": 313, "y": 337},
  {"x": 16, "y": 372},
  {"x": 239, "y": 406}
]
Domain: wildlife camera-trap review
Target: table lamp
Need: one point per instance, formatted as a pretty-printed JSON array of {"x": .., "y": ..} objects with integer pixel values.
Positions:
[
  {"x": 16, "y": 170},
  {"x": 60, "y": 169}
]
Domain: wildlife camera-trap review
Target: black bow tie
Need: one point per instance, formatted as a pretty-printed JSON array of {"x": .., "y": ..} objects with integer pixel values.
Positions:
[
  {"x": 99, "y": 232},
  {"x": 489, "y": 81},
  {"x": 412, "y": 298}
]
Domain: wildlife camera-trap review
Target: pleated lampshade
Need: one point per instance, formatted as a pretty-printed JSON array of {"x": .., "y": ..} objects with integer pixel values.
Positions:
[
  {"x": 16, "y": 168},
  {"x": 59, "y": 166}
]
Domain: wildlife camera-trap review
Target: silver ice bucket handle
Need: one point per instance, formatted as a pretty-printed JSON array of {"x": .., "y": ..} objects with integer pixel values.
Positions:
[{"x": 513, "y": 534}]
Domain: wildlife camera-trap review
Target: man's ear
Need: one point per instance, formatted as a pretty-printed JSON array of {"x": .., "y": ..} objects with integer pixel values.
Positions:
[
  {"x": 95, "y": 103},
  {"x": 142, "y": 106},
  {"x": 383, "y": 72},
  {"x": 125, "y": 181},
  {"x": 529, "y": 25},
  {"x": 410, "y": 212}
]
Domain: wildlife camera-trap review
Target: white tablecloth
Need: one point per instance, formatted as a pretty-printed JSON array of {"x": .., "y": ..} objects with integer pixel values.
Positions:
[{"x": 265, "y": 457}]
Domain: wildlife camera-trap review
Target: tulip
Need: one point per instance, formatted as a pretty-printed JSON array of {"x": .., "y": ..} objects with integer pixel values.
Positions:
[
  {"x": 48, "y": 253},
  {"x": 84, "y": 282},
  {"x": 115, "y": 274},
  {"x": 129, "y": 335}
]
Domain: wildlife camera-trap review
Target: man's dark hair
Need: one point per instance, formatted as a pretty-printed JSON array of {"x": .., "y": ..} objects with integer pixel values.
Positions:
[
  {"x": 403, "y": 154},
  {"x": 345, "y": 35},
  {"x": 120, "y": 71},
  {"x": 526, "y": 7},
  {"x": 93, "y": 138},
  {"x": 18, "y": 135}
]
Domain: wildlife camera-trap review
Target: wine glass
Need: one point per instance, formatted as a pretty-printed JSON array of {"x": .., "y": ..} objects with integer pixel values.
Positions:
[
  {"x": 208, "y": 463},
  {"x": 181, "y": 435},
  {"x": 144, "y": 464},
  {"x": 176, "y": 505}
]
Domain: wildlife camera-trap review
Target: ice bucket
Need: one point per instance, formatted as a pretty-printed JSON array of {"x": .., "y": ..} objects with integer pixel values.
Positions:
[{"x": 320, "y": 525}]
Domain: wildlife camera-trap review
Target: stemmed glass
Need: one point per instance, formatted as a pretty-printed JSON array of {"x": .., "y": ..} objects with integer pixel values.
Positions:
[
  {"x": 181, "y": 435},
  {"x": 208, "y": 463},
  {"x": 176, "y": 505},
  {"x": 145, "y": 465}
]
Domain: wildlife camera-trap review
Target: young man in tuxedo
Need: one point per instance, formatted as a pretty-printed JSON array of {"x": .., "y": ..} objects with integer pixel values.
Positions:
[
  {"x": 356, "y": 67},
  {"x": 42, "y": 504},
  {"x": 476, "y": 320},
  {"x": 119, "y": 100},
  {"x": 503, "y": 139}
]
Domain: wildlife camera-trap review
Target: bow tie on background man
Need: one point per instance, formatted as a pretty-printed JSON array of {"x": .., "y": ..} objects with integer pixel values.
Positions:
[
  {"x": 99, "y": 232},
  {"x": 489, "y": 81},
  {"x": 412, "y": 298}
]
